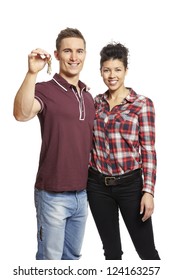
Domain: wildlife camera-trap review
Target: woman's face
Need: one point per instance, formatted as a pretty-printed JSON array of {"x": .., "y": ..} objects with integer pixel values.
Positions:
[{"x": 113, "y": 73}]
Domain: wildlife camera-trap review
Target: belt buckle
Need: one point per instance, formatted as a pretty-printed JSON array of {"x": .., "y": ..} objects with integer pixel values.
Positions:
[{"x": 110, "y": 181}]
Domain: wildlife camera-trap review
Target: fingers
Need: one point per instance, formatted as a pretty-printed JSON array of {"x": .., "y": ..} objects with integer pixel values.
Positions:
[
  {"x": 40, "y": 53},
  {"x": 37, "y": 60},
  {"x": 147, "y": 214},
  {"x": 147, "y": 206},
  {"x": 142, "y": 208}
]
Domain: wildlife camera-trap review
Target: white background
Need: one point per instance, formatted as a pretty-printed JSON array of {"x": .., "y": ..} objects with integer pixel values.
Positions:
[{"x": 145, "y": 27}]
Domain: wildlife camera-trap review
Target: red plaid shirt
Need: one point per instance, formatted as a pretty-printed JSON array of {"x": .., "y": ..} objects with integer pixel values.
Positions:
[{"x": 124, "y": 138}]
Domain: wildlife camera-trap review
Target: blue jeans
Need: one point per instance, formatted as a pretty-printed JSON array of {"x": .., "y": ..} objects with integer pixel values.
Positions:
[{"x": 61, "y": 219}]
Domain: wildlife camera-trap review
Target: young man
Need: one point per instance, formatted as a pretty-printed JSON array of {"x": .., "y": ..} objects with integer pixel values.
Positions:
[{"x": 66, "y": 113}]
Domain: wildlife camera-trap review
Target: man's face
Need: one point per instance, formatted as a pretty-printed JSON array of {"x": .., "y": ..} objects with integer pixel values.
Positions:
[{"x": 71, "y": 56}]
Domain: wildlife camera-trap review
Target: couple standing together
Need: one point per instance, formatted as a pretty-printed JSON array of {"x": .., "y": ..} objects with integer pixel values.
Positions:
[{"x": 119, "y": 147}]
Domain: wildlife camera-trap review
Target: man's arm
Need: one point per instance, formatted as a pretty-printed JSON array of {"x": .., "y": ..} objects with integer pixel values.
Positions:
[{"x": 25, "y": 104}]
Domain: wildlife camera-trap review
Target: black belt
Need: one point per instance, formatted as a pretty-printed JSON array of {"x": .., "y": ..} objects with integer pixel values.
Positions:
[{"x": 115, "y": 180}]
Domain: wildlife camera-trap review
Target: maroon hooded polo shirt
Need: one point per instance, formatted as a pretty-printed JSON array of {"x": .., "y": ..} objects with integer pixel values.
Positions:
[{"x": 66, "y": 122}]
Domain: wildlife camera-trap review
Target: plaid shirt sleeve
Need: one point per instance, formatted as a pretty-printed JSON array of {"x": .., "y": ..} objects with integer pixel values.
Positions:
[{"x": 147, "y": 144}]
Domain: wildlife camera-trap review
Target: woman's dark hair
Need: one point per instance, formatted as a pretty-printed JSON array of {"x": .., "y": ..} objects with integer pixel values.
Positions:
[
  {"x": 68, "y": 33},
  {"x": 114, "y": 51}
]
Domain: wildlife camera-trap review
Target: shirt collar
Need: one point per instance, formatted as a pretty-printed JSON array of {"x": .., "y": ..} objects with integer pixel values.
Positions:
[
  {"x": 65, "y": 84},
  {"x": 130, "y": 97}
]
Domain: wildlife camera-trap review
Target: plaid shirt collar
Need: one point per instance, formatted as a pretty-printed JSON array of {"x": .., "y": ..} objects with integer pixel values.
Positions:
[{"x": 129, "y": 98}]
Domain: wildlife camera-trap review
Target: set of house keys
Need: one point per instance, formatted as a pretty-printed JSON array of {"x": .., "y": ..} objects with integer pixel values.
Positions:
[{"x": 49, "y": 63}]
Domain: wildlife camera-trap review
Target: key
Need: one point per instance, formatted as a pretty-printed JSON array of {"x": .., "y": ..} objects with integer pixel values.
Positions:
[
  {"x": 49, "y": 66},
  {"x": 49, "y": 63}
]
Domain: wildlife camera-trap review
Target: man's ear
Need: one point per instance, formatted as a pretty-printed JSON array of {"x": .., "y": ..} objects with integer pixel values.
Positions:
[{"x": 56, "y": 55}]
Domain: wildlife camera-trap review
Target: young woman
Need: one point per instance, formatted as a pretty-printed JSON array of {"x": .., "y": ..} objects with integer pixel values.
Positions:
[{"x": 122, "y": 169}]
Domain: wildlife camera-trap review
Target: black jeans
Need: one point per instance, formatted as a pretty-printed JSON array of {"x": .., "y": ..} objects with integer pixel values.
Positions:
[{"x": 105, "y": 203}]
